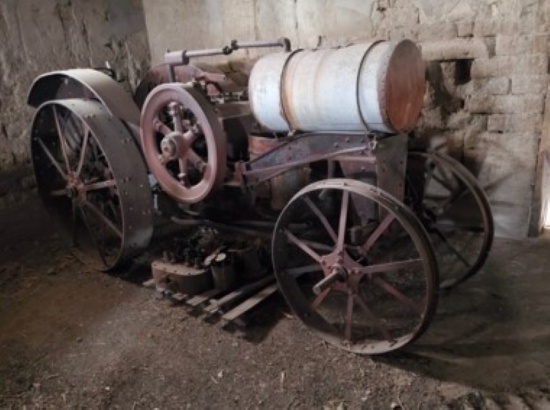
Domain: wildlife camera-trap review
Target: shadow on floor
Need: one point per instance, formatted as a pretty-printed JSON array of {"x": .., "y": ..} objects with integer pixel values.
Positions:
[{"x": 493, "y": 332}]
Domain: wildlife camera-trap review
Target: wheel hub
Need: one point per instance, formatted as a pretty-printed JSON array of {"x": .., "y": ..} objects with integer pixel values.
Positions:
[
  {"x": 76, "y": 190},
  {"x": 343, "y": 271},
  {"x": 172, "y": 146}
]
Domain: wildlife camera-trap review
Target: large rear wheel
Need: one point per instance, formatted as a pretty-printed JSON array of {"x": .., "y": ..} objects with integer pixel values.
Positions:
[{"x": 93, "y": 180}]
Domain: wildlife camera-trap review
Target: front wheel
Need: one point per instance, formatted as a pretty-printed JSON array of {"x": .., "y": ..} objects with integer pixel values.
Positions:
[{"x": 356, "y": 266}]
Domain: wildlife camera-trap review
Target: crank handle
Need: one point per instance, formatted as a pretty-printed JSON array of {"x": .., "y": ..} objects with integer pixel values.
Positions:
[{"x": 326, "y": 282}]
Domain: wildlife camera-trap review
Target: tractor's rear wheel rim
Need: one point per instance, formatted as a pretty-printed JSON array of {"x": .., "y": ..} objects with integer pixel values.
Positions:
[{"x": 93, "y": 181}]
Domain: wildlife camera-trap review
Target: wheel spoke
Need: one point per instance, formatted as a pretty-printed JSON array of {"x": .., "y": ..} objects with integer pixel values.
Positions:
[
  {"x": 343, "y": 221},
  {"x": 449, "y": 200},
  {"x": 59, "y": 192},
  {"x": 182, "y": 176},
  {"x": 429, "y": 175},
  {"x": 305, "y": 248},
  {"x": 320, "y": 298},
  {"x": 318, "y": 246},
  {"x": 378, "y": 324},
  {"x": 377, "y": 233},
  {"x": 193, "y": 157},
  {"x": 397, "y": 294},
  {"x": 190, "y": 137},
  {"x": 74, "y": 221},
  {"x": 100, "y": 185},
  {"x": 61, "y": 137},
  {"x": 349, "y": 316},
  {"x": 321, "y": 217},
  {"x": 444, "y": 183},
  {"x": 297, "y": 272},
  {"x": 83, "y": 150},
  {"x": 106, "y": 221},
  {"x": 161, "y": 127},
  {"x": 391, "y": 266},
  {"x": 175, "y": 113},
  {"x": 52, "y": 159},
  {"x": 92, "y": 235},
  {"x": 452, "y": 248},
  {"x": 452, "y": 227}
]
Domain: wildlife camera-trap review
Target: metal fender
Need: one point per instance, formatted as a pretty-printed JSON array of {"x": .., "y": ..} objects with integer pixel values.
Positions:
[{"x": 85, "y": 83}]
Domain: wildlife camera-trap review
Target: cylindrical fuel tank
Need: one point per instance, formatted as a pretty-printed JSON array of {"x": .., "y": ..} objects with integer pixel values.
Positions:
[{"x": 377, "y": 86}]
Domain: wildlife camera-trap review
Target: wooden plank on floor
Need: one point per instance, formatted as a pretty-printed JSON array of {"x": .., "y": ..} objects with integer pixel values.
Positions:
[
  {"x": 149, "y": 283},
  {"x": 179, "y": 297},
  {"x": 203, "y": 297},
  {"x": 250, "y": 303},
  {"x": 238, "y": 294}
]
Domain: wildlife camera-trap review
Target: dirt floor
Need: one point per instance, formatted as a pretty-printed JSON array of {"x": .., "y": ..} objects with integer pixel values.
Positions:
[{"x": 70, "y": 337}]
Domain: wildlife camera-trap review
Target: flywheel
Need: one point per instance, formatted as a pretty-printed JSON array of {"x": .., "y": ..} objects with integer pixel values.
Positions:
[
  {"x": 93, "y": 180},
  {"x": 183, "y": 142}
]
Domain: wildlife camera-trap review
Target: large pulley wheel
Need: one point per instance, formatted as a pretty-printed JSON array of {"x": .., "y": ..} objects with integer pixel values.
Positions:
[
  {"x": 92, "y": 178},
  {"x": 454, "y": 210},
  {"x": 356, "y": 266},
  {"x": 183, "y": 142}
]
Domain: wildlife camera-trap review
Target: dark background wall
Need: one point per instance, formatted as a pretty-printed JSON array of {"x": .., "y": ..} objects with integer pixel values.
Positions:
[{"x": 40, "y": 36}]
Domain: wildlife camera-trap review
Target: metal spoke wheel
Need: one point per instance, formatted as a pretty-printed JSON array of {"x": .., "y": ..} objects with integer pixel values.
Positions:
[
  {"x": 91, "y": 177},
  {"x": 183, "y": 142},
  {"x": 454, "y": 210},
  {"x": 355, "y": 265}
]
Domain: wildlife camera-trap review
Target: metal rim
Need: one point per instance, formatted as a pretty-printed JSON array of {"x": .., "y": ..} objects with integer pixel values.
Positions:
[
  {"x": 340, "y": 276},
  {"x": 183, "y": 142},
  {"x": 100, "y": 198},
  {"x": 454, "y": 210}
]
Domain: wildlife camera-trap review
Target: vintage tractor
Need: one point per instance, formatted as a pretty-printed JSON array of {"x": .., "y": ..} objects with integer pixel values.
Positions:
[{"x": 311, "y": 154}]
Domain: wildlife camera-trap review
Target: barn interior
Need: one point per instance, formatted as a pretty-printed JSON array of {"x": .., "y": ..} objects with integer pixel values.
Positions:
[{"x": 73, "y": 336}]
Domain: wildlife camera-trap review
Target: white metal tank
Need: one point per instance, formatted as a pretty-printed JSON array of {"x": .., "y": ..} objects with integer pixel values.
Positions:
[{"x": 377, "y": 86}]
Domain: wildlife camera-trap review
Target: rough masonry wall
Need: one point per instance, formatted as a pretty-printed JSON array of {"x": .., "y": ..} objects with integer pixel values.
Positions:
[
  {"x": 487, "y": 66},
  {"x": 37, "y": 36}
]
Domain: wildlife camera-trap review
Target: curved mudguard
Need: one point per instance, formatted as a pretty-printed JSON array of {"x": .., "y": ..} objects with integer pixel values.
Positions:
[{"x": 85, "y": 83}]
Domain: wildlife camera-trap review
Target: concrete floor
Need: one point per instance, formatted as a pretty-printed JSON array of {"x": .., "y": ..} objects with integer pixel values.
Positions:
[{"x": 71, "y": 337}]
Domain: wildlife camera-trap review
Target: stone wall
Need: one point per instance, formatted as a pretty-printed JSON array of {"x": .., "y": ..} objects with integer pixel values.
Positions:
[
  {"x": 487, "y": 66},
  {"x": 40, "y": 36}
]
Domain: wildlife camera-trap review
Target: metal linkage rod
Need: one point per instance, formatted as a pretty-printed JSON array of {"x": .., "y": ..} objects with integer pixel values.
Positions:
[{"x": 182, "y": 57}]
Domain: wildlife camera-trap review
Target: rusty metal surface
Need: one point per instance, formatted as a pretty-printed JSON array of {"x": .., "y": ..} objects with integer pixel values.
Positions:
[
  {"x": 391, "y": 159},
  {"x": 102, "y": 199},
  {"x": 306, "y": 148},
  {"x": 401, "y": 91},
  {"x": 183, "y": 142},
  {"x": 236, "y": 120},
  {"x": 184, "y": 74},
  {"x": 259, "y": 144},
  {"x": 84, "y": 83}
]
